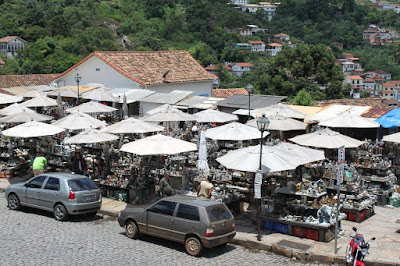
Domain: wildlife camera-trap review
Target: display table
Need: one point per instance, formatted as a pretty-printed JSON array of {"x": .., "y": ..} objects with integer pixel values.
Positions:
[
  {"x": 317, "y": 232},
  {"x": 359, "y": 215}
]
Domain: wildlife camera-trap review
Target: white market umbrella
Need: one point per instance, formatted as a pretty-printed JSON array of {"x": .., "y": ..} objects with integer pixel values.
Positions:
[
  {"x": 70, "y": 93},
  {"x": 281, "y": 123},
  {"x": 25, "y": 116},
  {"x": 60, "y": 109},
  {"x": 33, "y": 94},
  {"x": 6, "y": 99},
  {"x": 349, "y": 120},
  {"x": 214, "y": 116},
  {"x": 40, "y": 101},
  {"x": 301, "y": 154},
  {"x": 158, "y": 145},
  {"x": 202, "y": 164},
  {"x": 392, "y": 138},
  {"x": 159, "y": 108},
  {"x": 326, "y": 138},
  {"x": 15, "y": 108},
  {"x": 92, "y": 107},
  {"x": 234, "y": 131},
  {"x": 91, "y": 136},
  {"x": 78, "y": 120},
  {"x": 124, "y": 107},
  {"x": 248, "y": 160},
  {"x": 32, "y": 129},
  {"x": 132, "y": 126},
  {"x": 280, "y": 109},
  {"x": 100, "y": 95},
  {"x": 170, "y": 114}
]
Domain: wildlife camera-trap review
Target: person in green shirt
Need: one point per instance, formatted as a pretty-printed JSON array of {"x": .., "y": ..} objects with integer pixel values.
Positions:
[{"x": 39, "y": 164}]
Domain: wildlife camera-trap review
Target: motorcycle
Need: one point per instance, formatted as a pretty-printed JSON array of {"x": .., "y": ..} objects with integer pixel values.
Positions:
[{"x": 357, "y": 250}]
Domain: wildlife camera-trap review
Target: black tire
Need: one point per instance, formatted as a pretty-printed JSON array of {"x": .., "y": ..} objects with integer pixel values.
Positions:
[
  {"x": 60, "y": 213},
  {"x": 131, "y": 229},
  {"x": 193, "y": 246},
  {"x": 13, "y": 202}
]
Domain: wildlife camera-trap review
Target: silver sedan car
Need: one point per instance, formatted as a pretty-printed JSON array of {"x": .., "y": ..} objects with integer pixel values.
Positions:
[{"x": 61, "y": 193}]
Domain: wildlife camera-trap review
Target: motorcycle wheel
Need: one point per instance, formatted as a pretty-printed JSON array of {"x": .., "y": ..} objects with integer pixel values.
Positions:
[{"x": 349, "y": 256}]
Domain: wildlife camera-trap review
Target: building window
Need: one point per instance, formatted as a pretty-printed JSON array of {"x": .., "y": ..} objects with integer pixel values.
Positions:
[{"x": 97, "y": 69}]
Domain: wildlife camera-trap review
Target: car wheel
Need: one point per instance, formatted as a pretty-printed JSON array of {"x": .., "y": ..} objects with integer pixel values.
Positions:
[
  {"x": 193, "y": 246},
  {"x": 13, "y": 202},
  {"x": 60, "y": 213},
  {"x": 131, "y": 229}
]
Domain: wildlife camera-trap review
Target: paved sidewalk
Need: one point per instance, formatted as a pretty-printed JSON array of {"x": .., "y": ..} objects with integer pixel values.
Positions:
[{"x": 385, "y": 250}]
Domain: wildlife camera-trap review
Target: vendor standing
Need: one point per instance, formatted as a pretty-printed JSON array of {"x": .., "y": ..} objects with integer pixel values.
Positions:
[
  {"x": 78, "y": 164},
  {"x": 165, "y": 188},
  {"x": 205, "y": 188},
  {"x": 39, "y": 165}
]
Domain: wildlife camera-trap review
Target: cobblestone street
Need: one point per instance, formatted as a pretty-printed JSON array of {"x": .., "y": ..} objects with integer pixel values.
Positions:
[{"x": 32, "y": 237}]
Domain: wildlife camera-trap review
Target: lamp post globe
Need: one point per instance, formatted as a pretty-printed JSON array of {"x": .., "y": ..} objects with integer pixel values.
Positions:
[
  {"x": 249, "y": 89},
  {"x": 78, "y": 79}
]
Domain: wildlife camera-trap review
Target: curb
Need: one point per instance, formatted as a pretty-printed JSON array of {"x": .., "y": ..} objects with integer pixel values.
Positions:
[{"x": 108, "y": 213}]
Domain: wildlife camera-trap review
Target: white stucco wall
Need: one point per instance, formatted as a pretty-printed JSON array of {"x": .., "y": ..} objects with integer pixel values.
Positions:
[
  {"x": 199, "y": 88},
  {"x": 111, "y": 78},
  {"x": 106, "y": 75}
]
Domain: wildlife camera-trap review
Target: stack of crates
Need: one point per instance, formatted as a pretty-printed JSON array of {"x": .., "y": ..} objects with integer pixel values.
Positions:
[{"x": 394, "y": 202}]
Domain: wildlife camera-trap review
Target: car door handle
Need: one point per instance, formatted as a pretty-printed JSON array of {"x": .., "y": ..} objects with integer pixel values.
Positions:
[{"x": 37, "y": 191}]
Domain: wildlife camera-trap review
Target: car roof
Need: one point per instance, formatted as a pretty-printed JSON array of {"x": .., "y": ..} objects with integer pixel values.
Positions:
[
  {"x": 193, "y": 200},
  {"x": 65, "y": 176}
]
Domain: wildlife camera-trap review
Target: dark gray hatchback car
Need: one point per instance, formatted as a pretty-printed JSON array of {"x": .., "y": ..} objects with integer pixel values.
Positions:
[
  {"x": 192, "y": 221},
  {"x": 61, "y": 193}
]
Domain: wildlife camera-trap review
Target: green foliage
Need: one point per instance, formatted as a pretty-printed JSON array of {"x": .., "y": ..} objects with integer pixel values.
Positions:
[{"x": 303, "y": 98}]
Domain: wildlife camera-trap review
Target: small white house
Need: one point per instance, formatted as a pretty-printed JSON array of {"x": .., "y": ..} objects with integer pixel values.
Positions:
[
  {"x": 257, "y": 46},
  {"x": 9, "y": 45},
  {"x": 239, "y": 68},
  {"x": 159, "y": 71},
  {"x": 273, "y": 48},
  {"x": 240, "y": 2}
]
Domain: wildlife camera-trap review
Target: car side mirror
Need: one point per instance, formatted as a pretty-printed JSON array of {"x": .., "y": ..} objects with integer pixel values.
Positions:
[
  {"x": 26, "y": 185},
  {"x": 373, "y": 238},
  {"x": 355, "y": 229}
]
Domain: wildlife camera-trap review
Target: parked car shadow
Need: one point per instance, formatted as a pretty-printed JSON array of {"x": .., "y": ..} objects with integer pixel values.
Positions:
[
  {"x": 71, "y": 218},
  {"x": 207, "y": 253}
]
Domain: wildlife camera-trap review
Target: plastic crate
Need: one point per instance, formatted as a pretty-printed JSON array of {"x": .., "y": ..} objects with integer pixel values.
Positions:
[
  {"x": 362, "y": 215},
  {"x": 299, "y": 231},
  {"x": 281, "y": 228},
  {"x": 352, "y": 216},
  {"x": 267, "y": 225},
  {"x": 312, "y": 234}
]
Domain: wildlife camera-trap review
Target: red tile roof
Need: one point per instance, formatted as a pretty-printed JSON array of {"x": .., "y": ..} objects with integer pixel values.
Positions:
[
  {"x": 370, "y": 101},
  {"x": 244, "y": 64},
  {"x": 148, "y": 68},
  {"x": 225, "y": 93},
  {"x": 388, "y": 85},
  {"x": 255, "y": 42},
  {"x": 380, "y": 71},
  {"x": 8, "y": 81},
  {"x": 378, "y": 78},
  {"x": 395, "y": 81},
  {"x": 10, "y": 38},
  {"x": 214, "y": 68},
  {"x": 376, "y": 112},
  {"x": 274, "y": 44},
  {"x": 354, "y": 77}
]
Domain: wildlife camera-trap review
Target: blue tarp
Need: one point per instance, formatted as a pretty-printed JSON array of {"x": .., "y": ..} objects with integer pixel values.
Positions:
[{"x": 390, "y": 120}]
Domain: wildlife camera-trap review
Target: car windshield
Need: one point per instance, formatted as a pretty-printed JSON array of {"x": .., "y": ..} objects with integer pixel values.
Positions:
[
  {"x": 218, "y": 213},
  {"x": 81, "y": 184}
]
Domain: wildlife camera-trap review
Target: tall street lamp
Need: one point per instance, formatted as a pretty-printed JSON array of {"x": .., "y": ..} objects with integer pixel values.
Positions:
[
  {"x": 249, "y": 89},
  {"x": 78, "y": 79},
  {"x": 262, "y": 124}
]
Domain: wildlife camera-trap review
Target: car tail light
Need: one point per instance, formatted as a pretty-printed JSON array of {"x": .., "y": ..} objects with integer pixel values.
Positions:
[
  {"x": 71, "y": 195},
  {"x": 209, "y": 232},
  {"x": 233, "y": 227}
]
